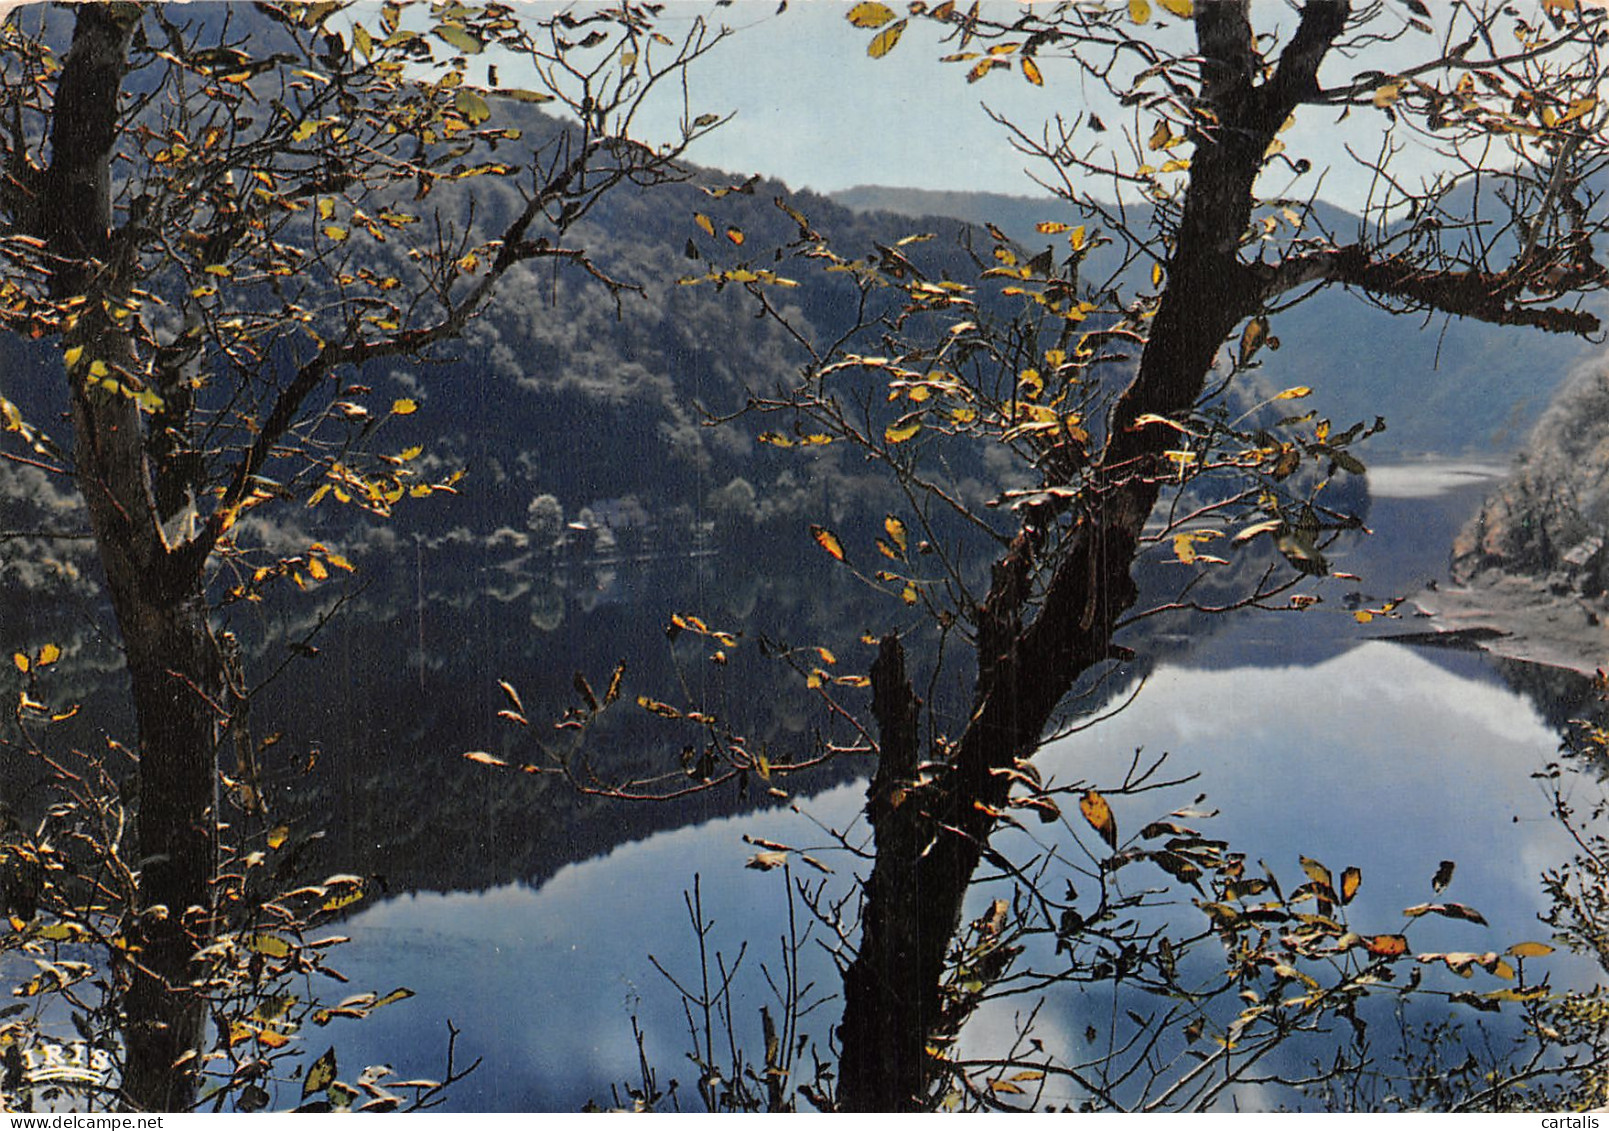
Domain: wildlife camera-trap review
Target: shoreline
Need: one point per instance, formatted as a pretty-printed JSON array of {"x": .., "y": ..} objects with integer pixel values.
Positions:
[{"x": 1517, "y": 618}]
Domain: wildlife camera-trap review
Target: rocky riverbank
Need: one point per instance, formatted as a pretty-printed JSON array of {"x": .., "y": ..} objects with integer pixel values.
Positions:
[{"x": 1530, "y": 572}]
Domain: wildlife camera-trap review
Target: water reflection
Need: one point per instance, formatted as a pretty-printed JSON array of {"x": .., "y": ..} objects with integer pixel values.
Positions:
[{"x": 1383, "y": 757}]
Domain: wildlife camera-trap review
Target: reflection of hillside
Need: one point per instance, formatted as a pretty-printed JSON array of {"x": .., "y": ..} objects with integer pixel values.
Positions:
[
  {"x": 406, "y": 681},
  {"x": 1560, "y": 696}
]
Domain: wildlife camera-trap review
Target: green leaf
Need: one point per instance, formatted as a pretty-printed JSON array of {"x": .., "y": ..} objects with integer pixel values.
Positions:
[
  {"x": 472, "y": 106},
  {"x": 321, "y": 1075},
  {"x": 456, "y": 35},
  {"x": 401, "y": 993},
  {"x": 521, "y": 95}
]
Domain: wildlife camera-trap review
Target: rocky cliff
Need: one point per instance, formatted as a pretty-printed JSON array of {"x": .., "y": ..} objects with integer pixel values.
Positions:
[{"x": 1549, "y": 520}]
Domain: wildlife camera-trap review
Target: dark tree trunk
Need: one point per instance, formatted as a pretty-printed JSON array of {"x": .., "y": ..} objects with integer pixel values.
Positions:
[
  {"x": 930, "y": 844},
  {"x": 173, "y": 663},
  {"x": 897, "y": 973},
  {"x": 177, "y": 681}
]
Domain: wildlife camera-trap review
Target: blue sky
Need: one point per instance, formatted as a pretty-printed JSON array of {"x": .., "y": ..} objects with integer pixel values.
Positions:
[{"x": 814, "y": 110}]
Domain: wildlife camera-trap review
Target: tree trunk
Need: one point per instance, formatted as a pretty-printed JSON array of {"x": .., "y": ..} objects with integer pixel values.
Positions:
[
  {"x": 1027, "y": 659},
  {"x": 158, "y": 596},
  {"x": 896, "y": 975},
  {"x": 177, "y": 682}
]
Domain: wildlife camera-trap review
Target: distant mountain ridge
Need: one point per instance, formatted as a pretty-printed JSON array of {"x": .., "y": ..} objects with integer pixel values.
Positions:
[{"x": 1445, "y": 386}]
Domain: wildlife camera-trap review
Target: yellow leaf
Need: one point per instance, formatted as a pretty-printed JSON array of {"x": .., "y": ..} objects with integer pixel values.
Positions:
[
  {"x": 484, "y": 758},
  {"x": 404, "y": 406},
  {"x": 1184, "y": 9},
  {"x": 897, "y": 531},
  {"x": 908, "y": 594},
  {"x": 271, "y": 946},
  {"x": 1295, "y": 392},
  {"x": 269, "y": 1039},
  {"x": 1351, "y": 878},
  {"x": 1386, "y": 946},
  {"x": 98, "y": 369},
  {"x": 983, "y": 68},
  {"x": 1030, "y": 71},
  {"x": 1529, "y": 950},
  {"x": 1099, "y": 815},
  {"x": 1077, "y": 238},
  {"x": 1579, "y": 108},
  {"x": 1161, "y": 136},
  {"x": 735, "y": 235},
  {"x": 1252, "y": 338},
  {"x": 317, "y": 569},
  {"x": 1384, "y": 96},
  {"x": 870, "y": 14},
  {"x": 827, "y": 540},
  {"x": 1139, "y": 11},
  {"x": 704, "y": 222},
  {"x": 73, "y": 356},
  {"x": 278, "y": 835},
  {"x": 883, "y": 42},
  {"x": 336, "y": 232},
  {"x": 1156, "y": 274},
  {"x": 343, "y": 899},
  {"x": 903, "y": 429},
  {"x": 654, "y": 706},
  {"x": 22, "y": 662},
  {"x": 48, "y": 655}
]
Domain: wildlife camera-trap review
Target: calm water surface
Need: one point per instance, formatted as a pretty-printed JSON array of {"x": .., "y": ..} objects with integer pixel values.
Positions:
[{"x": 1309, "y": 738}]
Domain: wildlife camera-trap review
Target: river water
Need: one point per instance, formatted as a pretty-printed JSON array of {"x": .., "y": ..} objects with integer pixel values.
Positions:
[{"x": 1308, "y": 736}]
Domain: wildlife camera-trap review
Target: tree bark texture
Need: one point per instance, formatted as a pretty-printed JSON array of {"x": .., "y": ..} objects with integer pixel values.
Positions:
[
  {"x": 159, "y": 600},
  {"x": 930, "y": 844}
]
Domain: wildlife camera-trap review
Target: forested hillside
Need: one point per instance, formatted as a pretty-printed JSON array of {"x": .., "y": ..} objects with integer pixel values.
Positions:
[{"x": 1445, "y": 386}]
